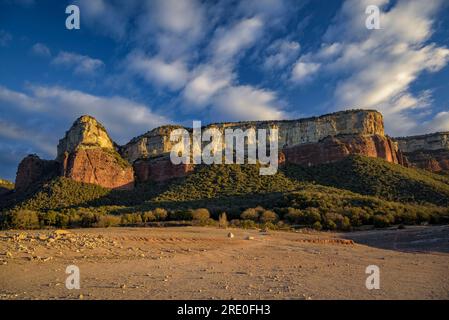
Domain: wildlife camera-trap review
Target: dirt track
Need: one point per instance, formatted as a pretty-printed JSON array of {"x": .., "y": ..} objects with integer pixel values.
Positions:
[{"x": 203, "y": 263}]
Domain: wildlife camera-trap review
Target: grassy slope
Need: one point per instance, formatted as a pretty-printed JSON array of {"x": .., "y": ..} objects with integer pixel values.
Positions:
[
  {"x": 379, "y": 178},
  {"x": 358, "y": 178}
]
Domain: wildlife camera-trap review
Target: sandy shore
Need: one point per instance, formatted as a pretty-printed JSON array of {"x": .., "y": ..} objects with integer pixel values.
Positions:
[{"x": 204, "y": 263}]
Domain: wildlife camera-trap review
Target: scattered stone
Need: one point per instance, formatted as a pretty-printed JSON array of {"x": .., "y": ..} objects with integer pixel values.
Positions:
[
  {"x": 249, "y": 238},
  {"x": 230, "y": 235},
  {"x": 42, "y": 237},
  {"x": 61, "y": 232}
]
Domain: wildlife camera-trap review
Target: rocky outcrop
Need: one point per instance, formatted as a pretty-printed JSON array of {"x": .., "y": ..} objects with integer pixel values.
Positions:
[
  {"x": 307, "y": 141},
  {"x": 85, "y": 154},
  {"x": 160, "y": 169},
  {"x": 291, "y": 132},
  {"x": 33, "y": 170},
  {"x": 150, "y": 144},
  {"x": 88, "y": 154},
  {"x": 429, "y": 152},
  {"x": 98, "y": 166},
  {"x": 86, "y": 132},
  {"x": 335, "y": 148}
]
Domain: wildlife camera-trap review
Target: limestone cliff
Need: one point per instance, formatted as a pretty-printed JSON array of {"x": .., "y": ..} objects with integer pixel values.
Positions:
[
  {"x": 291, "y": 132},
  {"x": 430, "y": 151},
  {"x": 86, "y": 132},
  {"x": 88, "y": 154},
  {"x": 85, "y": 154}
]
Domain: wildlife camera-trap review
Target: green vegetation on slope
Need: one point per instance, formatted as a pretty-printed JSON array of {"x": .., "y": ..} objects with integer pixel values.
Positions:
[
  {"x": 354, "y": 192},
  {"x": 63, "y": 193},
  {"x": 372, "y": 176}
]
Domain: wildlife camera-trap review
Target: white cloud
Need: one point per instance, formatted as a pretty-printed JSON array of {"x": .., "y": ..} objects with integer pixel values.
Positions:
[
  {"x": 13, "y": 131},
  {"x": 376, "y": 68},
  {"x": 111, "y": 18},
  {"x": 302, "y": 71},
  {"x": 281, "y": 53},
  {"x": 41, "y": 50},
  {"x": 81, "y": 64},
  {"x": 206, "y": 81},
  {"x": 247, "y": 103},
  {"x": 229, "y": 42},
  {"x": 172, "y": 75},
  {"x": 58, "y": 106}
]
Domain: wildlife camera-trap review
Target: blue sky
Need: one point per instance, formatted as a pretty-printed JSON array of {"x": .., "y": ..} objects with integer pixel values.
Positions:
[{"x": 135, "y": 65}]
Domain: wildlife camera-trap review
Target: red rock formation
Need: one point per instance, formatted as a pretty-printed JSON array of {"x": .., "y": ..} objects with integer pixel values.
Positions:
[
  {"x": 95, "y": 165},
  {"x": 159, "y": 169},
  {"x": 332, "y": 149},
  {"x": 432, "y": 160},
  {"x": 33, "y": 170}
]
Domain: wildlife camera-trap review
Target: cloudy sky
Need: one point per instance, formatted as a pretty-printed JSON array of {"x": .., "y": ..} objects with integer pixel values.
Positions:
[{"x": 135, "y": 65}]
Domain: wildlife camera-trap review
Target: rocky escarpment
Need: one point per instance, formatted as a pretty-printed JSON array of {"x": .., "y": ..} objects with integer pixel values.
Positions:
[
  {"x": 304, "y": 141},
  {"x": 159, "y": 169},
  {"x": 429, "y": 152},
  {"x": 33, "y": 170},
  {"x": 335, "y": 148},
  {"x": 85, "y": 154},
  {"x": 291, "y": 132},
  {"x": 88, "y": 154}
]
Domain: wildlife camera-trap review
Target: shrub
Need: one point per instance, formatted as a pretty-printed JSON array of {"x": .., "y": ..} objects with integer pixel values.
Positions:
[
  {"x": 201, "y": 214},
  {"x": 160, "y": 214},
  {"x": 131, "y": 219},
  {"x": 344, "y": 224},
  {"x": 331, "y": 225},
  {"x": 148, "y": 216},
  {"x": 317, "y": 225},
  {"x": 181, "y": 215},
  {"x": 223, "y": 220},
  {"x": 250, "y": 214},
  {"x": 382, "y": 221},
  {"x": 294, "y": 215},
  {"x": 268, "y": 216},
  {"x": 270, "y": 226},
  {"x": 48, "y": 218},
  {"x": 63, "y": 220},
  {"x": 87, "y": 219},
  {"x": 24, "y": 219},
  {"x": 311, "y": 215},
  {"x": 106, "y": 221},
  {"x": 247, "y": 224}
]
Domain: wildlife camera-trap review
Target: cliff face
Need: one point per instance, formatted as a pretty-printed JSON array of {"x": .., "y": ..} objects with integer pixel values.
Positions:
[
  {"x": 85, "y": 132},
  {"x": 98, "y": 166},
  {"x": 33, "y": 170},
  {"x": 291, "y": 132},
  {"x": 334, "y": 148},
  {"x": 159, "y": 169},
  {"x": 87, "y": 154},
  {"x": 429, "y": 152},
  {"x": 150, "y": 144}
]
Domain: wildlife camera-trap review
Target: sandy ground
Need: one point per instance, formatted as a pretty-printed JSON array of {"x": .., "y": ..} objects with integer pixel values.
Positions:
[{"x": 204, "y": 263}]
